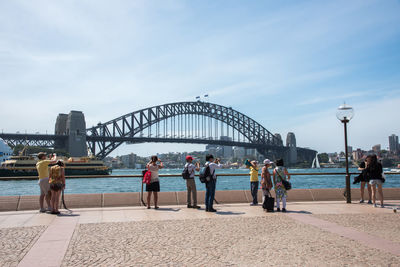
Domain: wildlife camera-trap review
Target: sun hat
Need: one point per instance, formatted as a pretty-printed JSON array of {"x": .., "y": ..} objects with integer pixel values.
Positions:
[
  {"x": 267, "y": 161},
  {"x": 189, "y": 158}
]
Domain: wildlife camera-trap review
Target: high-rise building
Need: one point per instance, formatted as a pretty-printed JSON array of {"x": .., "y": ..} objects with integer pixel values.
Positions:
[
  {"x": 227, "y": 150},
  {"x": 394, "y": 146}
]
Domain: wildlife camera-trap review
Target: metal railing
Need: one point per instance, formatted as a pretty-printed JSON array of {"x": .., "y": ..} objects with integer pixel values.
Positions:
[{"x": 179, "y": 175}]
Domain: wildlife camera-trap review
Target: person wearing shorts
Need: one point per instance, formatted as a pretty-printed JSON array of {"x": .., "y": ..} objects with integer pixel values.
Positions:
[
  {"x": 154, "y": 186},
  {"x": 42, "y": 167},
  {"x": 374, "y": 172}
]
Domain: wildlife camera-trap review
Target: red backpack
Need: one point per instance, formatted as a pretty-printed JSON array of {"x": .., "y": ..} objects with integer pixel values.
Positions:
[{"x": 146, "y": 177}]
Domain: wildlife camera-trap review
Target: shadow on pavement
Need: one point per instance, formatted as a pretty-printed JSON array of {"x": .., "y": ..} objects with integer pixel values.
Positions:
[
  {"x": 168, "y": 209},
  {"x": 229, "y": 213},
  {"x": 67, "y": 215},
  {"x": 298, "y": 211}
]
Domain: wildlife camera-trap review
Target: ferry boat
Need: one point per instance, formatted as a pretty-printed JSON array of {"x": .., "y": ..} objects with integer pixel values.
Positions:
[{"x": 25, "y": 165}]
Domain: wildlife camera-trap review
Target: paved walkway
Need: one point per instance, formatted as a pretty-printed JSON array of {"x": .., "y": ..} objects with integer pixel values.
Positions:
[{"x": 311, "y": 233}]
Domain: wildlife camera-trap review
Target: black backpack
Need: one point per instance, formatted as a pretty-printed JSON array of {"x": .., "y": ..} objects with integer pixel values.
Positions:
[
  {"x": 185, "y": 173},
  {"x": 204, "y": 173}
]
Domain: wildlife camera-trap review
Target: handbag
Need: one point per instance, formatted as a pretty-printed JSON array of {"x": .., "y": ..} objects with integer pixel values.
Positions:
[
  {"x": 269, "y": 202},
  {"x": 286, "y": 184}
]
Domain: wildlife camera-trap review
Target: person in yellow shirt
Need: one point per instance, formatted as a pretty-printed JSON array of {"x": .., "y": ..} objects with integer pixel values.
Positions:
[
  {"x": 253, "y": 181},
  {"x": 42, "y": 167}
]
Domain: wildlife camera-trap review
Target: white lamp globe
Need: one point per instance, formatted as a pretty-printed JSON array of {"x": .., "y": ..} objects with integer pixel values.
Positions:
[{"x": 345, "y": 113}]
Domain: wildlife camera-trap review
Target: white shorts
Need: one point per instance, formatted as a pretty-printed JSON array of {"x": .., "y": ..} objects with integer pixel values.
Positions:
[{"x": 375, "y": 181}]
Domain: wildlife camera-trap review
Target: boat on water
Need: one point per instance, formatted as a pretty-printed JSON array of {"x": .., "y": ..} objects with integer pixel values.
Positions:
[{"x": 25, "y": 165}]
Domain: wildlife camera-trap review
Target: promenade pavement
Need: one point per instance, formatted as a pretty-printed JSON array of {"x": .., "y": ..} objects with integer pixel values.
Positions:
[{"x": 329, "y": 233}]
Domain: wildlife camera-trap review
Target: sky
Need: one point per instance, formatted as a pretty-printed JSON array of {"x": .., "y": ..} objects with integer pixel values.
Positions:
[{"x": 286, "y": 64}]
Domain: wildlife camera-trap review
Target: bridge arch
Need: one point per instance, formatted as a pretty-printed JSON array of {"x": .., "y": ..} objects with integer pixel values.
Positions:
[{"x": 105, "y": 137}]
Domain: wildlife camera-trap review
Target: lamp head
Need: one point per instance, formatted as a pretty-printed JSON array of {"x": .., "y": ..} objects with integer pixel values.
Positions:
[{"x": 344, "y": 113}]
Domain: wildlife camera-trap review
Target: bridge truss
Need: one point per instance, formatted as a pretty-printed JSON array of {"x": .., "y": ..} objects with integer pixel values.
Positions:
[{"x": 183, "y": 122}]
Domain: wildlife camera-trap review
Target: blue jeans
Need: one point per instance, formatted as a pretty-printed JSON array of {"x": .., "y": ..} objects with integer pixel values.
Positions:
[
  {"x": 210, "y": 193},
  {"x": 254, "y": 191}
]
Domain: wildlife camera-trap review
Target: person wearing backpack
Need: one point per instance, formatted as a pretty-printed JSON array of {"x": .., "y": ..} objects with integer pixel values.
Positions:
[
  {"x": 188, "y": 175},
  {"x": 211, "y": 181}
]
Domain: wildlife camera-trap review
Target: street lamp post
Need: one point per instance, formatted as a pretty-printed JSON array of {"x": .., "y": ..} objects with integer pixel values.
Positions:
[{"x": 345, "y": 113}]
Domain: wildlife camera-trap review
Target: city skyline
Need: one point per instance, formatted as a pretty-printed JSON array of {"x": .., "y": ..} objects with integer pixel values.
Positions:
[{"x": 287, "y": 66}]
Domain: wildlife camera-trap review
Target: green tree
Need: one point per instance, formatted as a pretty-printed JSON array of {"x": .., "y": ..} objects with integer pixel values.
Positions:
[{"x": 323, "y": 158}]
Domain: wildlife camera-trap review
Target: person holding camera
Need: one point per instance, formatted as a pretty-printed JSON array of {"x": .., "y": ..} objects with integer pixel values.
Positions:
[
  {"x": 190, "y": 182},
  {"x": 212, "y": 182},
  {"x": 153, "y": 166}
]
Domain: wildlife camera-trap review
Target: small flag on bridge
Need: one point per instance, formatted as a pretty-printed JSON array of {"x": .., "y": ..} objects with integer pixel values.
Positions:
[{"x": 198, "y": 97}]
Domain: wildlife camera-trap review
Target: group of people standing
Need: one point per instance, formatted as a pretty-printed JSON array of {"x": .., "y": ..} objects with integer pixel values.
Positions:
[
  {"x": 279, "y": 175},
  {"x": 154, "y": 186}
]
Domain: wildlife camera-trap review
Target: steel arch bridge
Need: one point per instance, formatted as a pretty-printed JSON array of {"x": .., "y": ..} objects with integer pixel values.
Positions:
[{"x": 182, "y": 122}]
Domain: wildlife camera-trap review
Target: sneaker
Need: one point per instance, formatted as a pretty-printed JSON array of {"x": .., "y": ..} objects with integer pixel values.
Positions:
[
  {"x": 212, "y": 210},
  {"x": 362, "y": 201},
  {"x": 253, "y": 204},
  {"x": 283, "y": 210},
  {"x": 189, "y": 206},
  {"x": 196, "y": 207},
  {"x": 278, "y": 209},
  {"x": 375, "y": 206},
  {"x": 148, "y": 207},
  {"x": 42, "y": 210},
  {"x": 156, "y": 207},
  {"x": 369, "y": 202}
]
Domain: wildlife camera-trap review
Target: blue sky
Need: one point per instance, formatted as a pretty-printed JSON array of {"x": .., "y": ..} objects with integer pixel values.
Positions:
[{"x": 287, "y": 64}]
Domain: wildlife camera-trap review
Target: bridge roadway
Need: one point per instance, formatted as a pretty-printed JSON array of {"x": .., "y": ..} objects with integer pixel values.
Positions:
[{"x": 47, "y": 140}]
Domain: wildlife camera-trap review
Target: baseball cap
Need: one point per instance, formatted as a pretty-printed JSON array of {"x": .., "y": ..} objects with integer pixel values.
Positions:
[
  {"x": 267, "y": 161},
  {"x": 189, "y": 158}
]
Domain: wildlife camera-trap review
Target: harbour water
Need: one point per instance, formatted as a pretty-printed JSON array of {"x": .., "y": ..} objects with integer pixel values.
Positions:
[{"x": 115, "y": 185}]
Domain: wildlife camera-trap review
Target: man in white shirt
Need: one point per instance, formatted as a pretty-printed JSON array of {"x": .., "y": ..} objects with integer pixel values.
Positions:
[
  {"x": 190, "y": 183},
  {"x": 211, "y": 184}
]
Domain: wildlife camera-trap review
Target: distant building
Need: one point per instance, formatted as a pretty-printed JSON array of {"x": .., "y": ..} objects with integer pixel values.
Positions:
[
  {"x": 394, "y": 146},
  {"x": 349, "y": 150},
  {"x": 227, "y": 150},
  {"x": 129, "y": 161},
  {"x": 358, "y": 154},
  {"x": 376, "y": 149},
  {"x": 239, "y": 152}
]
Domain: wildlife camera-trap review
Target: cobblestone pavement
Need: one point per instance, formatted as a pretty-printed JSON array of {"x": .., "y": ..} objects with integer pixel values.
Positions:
[
  {"x": 273, "y": 239},
  {"x": 16, "y": 242},
  {"x": 386, "y": 226}
]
